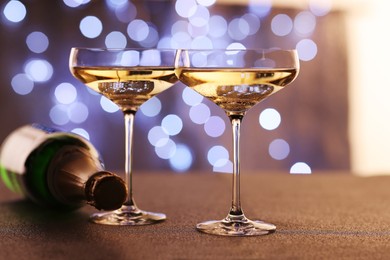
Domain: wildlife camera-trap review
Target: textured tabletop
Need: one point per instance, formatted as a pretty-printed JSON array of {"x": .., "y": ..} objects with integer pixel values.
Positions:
[{"x": 318, "y": 216}]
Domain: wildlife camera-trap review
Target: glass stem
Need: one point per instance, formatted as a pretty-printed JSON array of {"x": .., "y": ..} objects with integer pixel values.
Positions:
[
  {"x": 236, "y": 211},
  {"x": 129, "y": 129}
]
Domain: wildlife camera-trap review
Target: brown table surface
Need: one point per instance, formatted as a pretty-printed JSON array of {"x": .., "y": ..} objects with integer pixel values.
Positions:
[{"x": 318, "y": 216}]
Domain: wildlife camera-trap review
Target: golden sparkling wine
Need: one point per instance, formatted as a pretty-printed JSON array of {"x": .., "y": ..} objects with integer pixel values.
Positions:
[
  {"x": 128, "y": 87},
  {"x": 236, "y": 90}
]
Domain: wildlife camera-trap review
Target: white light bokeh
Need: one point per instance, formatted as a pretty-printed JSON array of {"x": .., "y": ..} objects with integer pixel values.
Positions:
[
  {"x": 167, "y": 150},
  {"x": 279, "y": 149},
  {"x": 138, "y": 30},
  {"x": 320, "y": 7},
  {"x": 236, "y": 46},
  {"x": 253, "y": 22},
  {"x": 269, "y": 119},
  {"x": 126, "y": 12},
  {"x": 172, "y": 124},
  {"x": 218, "y": 156},
  {"x": 226, "y": 167},
  {"x": 22, "y": 84},
  {"x": 37, "y": 42},
  {"x": 107, "y": 105},
  {"x": 196, "y": 31},
  {"x": 115, "y": 39},
  {"x": 15, "y": 11},
  {"x": 59, "y": 114},
  {"x": 304, "y": 23},
  {"x": 260, "y": 7},
  {"x": 182, "y": 159},
  {"x": 38, "y": 70},
  {"x": 217, "y": 26},
  {"x": 281, "y": 25},
  {"x": 82, "y": 132},
  {"x": 75, "y": 3},
  {"x": 200, "y": 17},
  {"x": 202, "y": 42},
  {"x": 151, "y": 40},
  {"x": 300, "y": 168},
  {"x": 191, "y": 97},
  {"x": 91, "y": 26},
  {"x": 116, "y": 3},
  {"x": 157, "y": 136},
  {"x": 307, "y": 49},
  {"x": 150, "y": 58},
  {"x": 65, "y": 93},
  {"x": 238, "y": 29},
  {"x": 78, "y": 112},
  {"x": 130, "y": 58},
  {"x": 215, "y": 126},
  {"x": 152, "y": 107},
  {"x": 200, "y": 113},
  {"x": 185, "y": 8}
]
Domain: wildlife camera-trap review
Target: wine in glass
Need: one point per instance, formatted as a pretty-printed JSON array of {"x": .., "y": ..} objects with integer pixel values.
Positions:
[
  {"x": 236, "y": 80},
  {"x": 128, "y": 77}
]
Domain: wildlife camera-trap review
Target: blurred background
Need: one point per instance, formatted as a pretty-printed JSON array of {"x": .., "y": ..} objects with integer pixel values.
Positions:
[{"x": 333, "y": 117}]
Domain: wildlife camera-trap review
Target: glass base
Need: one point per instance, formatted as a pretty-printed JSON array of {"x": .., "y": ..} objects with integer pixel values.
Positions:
[
  {"x": 236, "y": 227},
  {"x": 127, "y": 216}
]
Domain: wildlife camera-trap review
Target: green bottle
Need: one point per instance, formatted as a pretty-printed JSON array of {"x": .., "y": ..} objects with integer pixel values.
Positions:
[{"x": 58, "y": 170}]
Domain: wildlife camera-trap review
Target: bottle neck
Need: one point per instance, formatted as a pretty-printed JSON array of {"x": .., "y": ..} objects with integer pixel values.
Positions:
[
  {"x": 68, "y": 173},
  {"x": 76, "y": 176}
]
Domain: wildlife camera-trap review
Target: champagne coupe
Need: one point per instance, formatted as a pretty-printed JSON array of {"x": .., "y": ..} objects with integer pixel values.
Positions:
[
  {"x": 128, "y": 77},
  {"x": 236, "y": 80}
]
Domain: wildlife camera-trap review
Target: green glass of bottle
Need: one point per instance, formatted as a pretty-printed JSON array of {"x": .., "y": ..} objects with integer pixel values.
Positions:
[{"x": 58, "y": 170}]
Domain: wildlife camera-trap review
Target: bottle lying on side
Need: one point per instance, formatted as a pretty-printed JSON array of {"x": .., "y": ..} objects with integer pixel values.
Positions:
[{"x": 59, "y": 170}]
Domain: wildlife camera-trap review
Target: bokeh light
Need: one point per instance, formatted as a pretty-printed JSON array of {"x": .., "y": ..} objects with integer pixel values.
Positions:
[
  {"x": 217, "y": 26},
  {"x": 185, "y": 8},
  {"x": 238, "y": 29},
  {"x": 215, "y": 126},
  {"x": 38, "y": 70},
  {"x": 82, "y": 132},
  {"x": 172, "y": 124},
  {"x": 218, "y": 156},
  {"x": 116, "y": 39},
  {"x": 304, "y": 23},
  {"x": 22, "y": 84},
  {"x": 269, "y": 119},
  {"x": 65, "y": 93},
  {"x": 281, "y": 25},
  {"x": 320, "y": 7},
  {"x": 200, "y": 113},
  {"x": 75, "y": 3},
  {"x": 191, "y": 97},
  {"x": 151, "y": 108},
  {"x": 37, "y": 42},
  {"x": 307, "y": 49},
  {"x": 260, "y": 7},
  {"x": 300, "y": 168},
  {"x": 78, "y": 112},
  {"x": 126, "y": 12},
  {"x": 157, "y": 136},
  {"x": 91, "y": 26},
  {"x": 182, "y": 159},
  {"x": 15, "y": 11},
  {"x": 59, "y": 114},
  {"x": 107, "y": 105},
  {"x": 138, "y": 30},
  {"x": 279, "y": 149},
  {"x": 167, "y": 150}
]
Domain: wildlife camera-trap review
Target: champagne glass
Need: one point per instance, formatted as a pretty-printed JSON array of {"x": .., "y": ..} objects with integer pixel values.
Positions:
[
  {"x": 236, "y": 80},
  {"x": 128, "y": 77}
]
